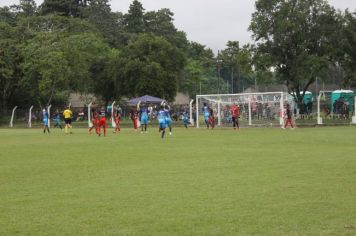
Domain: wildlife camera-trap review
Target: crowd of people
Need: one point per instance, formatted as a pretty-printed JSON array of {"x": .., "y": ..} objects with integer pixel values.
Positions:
[{"x": 341, "y": 108}]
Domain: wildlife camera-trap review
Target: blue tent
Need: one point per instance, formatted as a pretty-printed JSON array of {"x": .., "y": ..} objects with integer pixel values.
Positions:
[{"x": 145, "y": 99}]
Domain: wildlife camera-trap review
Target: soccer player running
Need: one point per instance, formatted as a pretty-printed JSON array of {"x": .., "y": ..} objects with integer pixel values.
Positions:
[
  {"x": 161, "y": 116},
  {"x": 168, "y": 118},
  {"x": 45, "y": 121},
  {"x": 186, "y": 121},
  {"x": 94, "y": 121},
  {"x": 67, "y": 113},
  {"x": 57, "y": 119},
  {"x": 235, "y": 113},
  {"x": 102, "y": 121},
  {"x": 206, "y": 112},
  {"x": 144, "y": 118}
]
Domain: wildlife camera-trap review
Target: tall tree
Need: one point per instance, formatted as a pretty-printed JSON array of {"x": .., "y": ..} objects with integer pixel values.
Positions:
[
  {"x": 231, "y": 63},
  {"x": 26, "y": 8},
  {"x": 349, "y": 51},
  {"x": 107, "y": 22},
  {"x": 296, "y": 36},
  {"x": 7, "y": 16},
  {"x": 161, "y": 23},
  {"x": 61, "y": 7},
  {"x": 150, "y": 65},
  {"x": 134, "y": 20},
  {"x": 10, "y": 69}
]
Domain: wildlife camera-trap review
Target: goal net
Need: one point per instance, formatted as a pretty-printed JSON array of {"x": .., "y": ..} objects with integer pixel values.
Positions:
[{"x": 256, "y": 109}]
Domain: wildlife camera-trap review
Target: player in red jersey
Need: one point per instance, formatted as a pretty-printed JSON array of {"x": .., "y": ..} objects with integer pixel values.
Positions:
[
  {"x": 211, "y": 119},
  {"x": 235, "y": 113},
  {"x": 94, "y": 120},
  {"x": 134, "y": 118},
  {"x": 288, "y": 117},
  {"x": 117, "y": 117},
  {"x": 102, "y": 121}
]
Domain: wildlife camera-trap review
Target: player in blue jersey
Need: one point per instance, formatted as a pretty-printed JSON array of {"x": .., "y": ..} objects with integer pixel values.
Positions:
[
  {"x": 186, "y": 121},
  {"x": 168, "y": 118},
  {"x": 206, "y": 112},
  {"x": 161, "y": 116},
  {"x": 57, "y": 119},
  {"x": 144, "y": 118},
  {"x": 45, "y": 120}
]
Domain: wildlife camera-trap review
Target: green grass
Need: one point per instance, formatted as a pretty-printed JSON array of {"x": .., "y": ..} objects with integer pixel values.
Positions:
[{"x": 195, "y": 182}]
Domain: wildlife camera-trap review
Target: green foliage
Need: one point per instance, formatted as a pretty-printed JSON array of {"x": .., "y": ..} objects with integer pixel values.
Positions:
[
  {"x": 26, "y": 8},
  {"x": 151, "y": 65},
  {"x": 236, "y": 66},
  {"x": 134, "y": 19},
  {"x": 7, "y": 16},
  {"x": 194, "y": 76},
  {"x": 160, "y": 23},
  {"x": 297, "y": 37},
  {"x": 69, "y": 46},
  {"x": 348, "y": 58},
  {"x": 10, "y": 59},
  {"x": 199, "y": 52},
  {"x": 99, "y": 14},
  {"x": 61, "y": 7},
  {"x": 57, "y": 62}
]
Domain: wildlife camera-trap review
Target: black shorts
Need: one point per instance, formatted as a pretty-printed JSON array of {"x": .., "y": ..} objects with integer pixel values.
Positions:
[
  {"x": 234, "y": 119},
  {"x": 68, "y": 121}
]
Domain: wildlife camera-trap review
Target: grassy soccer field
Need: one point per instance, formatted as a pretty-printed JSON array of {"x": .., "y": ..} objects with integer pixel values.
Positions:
[{"x": 195, "y": 182}]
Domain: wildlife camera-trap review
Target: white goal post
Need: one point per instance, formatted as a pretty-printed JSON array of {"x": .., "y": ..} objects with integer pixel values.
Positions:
[{"x": 264, "y": 109}]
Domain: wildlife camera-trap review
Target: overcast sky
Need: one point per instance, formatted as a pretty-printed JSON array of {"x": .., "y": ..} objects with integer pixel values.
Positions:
[{"x": 209, "y": 22}]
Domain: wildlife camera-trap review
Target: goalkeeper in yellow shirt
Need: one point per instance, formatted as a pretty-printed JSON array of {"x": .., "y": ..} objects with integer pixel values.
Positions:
[{"x": 68, "y": 120}]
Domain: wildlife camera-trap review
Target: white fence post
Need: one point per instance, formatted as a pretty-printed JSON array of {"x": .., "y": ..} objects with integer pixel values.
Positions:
[
  {"x": 49, "y": 115},
  {"x": 319, "y": 119},
  {"x": 191, "y": 112},
  {"x": 12, "y": 117},
  {"x": 30, "y": 117},
  {"x": 219, "y": 113},
  {"x": 90, "y": 124},
  {"x": 249, "y": 112},
  {"x": 112, "y": 115},
  {"x": 281, "y": 106},
  {"x": 354, "y": 117},
  {"x": 197, "y": 110}
]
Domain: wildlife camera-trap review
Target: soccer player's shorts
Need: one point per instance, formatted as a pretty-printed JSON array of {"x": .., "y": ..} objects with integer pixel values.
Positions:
[
  {"x": 117, "y": 121},
  {"x": 45, "y": 121},
  {"x": 162, "y": 123},
  {"x": 68, "y": 121},
  {"x": 102, "y": 122},
  {"x": 233, "y": 119},
  {"x": 144, "y": 120},
  {"x": 169, "y": 121},
  {"x": 206, "y": 118}
]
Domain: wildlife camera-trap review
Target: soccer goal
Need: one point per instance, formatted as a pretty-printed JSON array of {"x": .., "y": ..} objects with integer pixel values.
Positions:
[{"x": 256, "y": 109}]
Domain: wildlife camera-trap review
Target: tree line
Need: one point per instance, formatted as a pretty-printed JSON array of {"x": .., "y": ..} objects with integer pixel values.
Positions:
[{"x": 66, "y": 46}]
